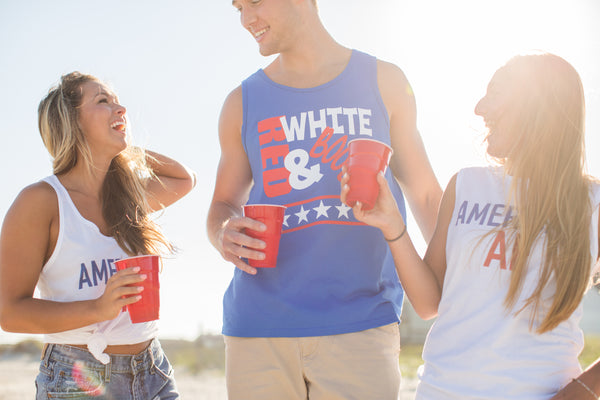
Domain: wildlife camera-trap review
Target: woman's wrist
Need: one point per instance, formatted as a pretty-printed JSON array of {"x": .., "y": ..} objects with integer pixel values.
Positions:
[{"x": 393, "y": 238}]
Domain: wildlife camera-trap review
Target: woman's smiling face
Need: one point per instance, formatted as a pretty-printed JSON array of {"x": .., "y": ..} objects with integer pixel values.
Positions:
[
  {"x": 102, "y": 119},
  {"x": 495, "y": 108}
]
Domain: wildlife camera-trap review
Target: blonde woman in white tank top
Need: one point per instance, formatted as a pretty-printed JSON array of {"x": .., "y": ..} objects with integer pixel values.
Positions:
[
  {"x": 514, "y": 250},
  {"x": 64, "y": 233}
]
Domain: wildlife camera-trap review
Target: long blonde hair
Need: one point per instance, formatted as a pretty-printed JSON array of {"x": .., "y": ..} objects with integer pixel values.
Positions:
[
  {"x": 551, "y": 189},
  {"x": 123, "y": 195}
]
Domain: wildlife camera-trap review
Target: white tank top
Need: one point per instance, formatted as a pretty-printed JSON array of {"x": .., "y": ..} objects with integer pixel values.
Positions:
[
  {"x": 476, "y": 349},
  {"x": 78, "y": 269}
]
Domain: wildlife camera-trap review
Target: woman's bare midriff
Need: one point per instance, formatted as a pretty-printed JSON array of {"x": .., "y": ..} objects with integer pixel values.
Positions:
[{"x": 129, "y": 349}]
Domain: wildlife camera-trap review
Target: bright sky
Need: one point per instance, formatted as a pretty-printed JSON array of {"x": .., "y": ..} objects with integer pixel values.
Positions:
[{"x": 173, "y": 63}]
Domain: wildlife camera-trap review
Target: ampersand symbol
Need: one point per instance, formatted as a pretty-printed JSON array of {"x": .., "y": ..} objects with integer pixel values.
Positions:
[{"x": 301, "y": 177}]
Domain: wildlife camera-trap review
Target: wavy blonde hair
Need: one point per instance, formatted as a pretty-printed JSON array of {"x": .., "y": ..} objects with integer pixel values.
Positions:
[
  {"x": 551, "y": 189},
  {"x": 123, "y": 195}
]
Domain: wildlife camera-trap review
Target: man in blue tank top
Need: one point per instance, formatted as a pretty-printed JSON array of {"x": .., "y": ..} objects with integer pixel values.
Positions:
[{"x": 322, "y": 324}]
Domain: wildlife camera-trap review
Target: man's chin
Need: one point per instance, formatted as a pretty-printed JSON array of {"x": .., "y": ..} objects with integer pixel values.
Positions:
[{"x": 264, "y": 51}]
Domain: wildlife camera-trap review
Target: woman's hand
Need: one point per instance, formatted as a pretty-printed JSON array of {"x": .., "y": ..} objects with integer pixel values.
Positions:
[
  {"x": 384, "y": 215},
  {"x": 171, "y": 182},
  {"x": 118, "y": 293}
]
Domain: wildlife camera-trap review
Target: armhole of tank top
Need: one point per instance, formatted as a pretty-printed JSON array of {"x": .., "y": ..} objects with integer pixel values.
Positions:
[
  {"x": 244, "y": 114},
  {"x": 458, "y": 184},
  {"x": 61, "y": 221},
  {"x": 595, "y": 195},
  {"x": 373, "y": 72},
  {"x": 458, "y": 192},
  {"x": 596, "y": 236}
]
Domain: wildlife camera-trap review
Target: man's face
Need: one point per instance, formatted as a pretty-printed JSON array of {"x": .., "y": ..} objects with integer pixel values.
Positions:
[{"x": 270, "y": 22}]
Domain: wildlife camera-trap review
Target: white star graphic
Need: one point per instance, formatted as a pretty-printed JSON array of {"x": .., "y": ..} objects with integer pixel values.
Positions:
[
  {"x": 285, "y": 218},
  {"x": 343, "y": 210},
  {"x": 322, "y": 210},
  {"x": 302, "y": 215}
]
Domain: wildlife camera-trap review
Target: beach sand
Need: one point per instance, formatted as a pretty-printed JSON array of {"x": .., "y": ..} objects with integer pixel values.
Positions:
[{"x": 18, "y": 372}]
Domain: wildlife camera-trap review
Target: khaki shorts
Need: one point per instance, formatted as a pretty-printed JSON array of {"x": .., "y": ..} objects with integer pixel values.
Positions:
[{"x": 361, "y": 365}]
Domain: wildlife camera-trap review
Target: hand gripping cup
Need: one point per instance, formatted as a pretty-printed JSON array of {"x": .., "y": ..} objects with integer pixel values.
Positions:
[
  {"x": 272, "y": 216},
  {"x": 147, "y": 308},
  {"x": 366, "y": 157}
]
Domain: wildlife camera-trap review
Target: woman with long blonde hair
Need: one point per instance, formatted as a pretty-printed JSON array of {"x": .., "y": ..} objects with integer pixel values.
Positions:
[
  {"x": 63, "y": 234},
  {"x": 514, "y": 248}
]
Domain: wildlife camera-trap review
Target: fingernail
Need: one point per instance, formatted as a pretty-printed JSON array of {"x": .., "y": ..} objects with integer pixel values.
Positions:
[
  {"x": 136, "y": 269},
  {"x": 140, "y": 288},
  {"x": 143, "y": 276}
]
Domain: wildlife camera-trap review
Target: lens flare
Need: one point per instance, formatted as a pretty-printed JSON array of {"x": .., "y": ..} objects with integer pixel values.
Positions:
[{"x": 91, "y": 384}]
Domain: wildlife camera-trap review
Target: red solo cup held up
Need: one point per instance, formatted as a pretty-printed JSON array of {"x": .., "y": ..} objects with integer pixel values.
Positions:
[
  {"x": 272, "y": 216},
  {"x": 148, "y": 307},
  {"x": 366, "y": 158}
]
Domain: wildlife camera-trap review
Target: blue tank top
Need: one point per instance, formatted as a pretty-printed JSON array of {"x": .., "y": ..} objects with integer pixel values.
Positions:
[{"x": 334, "y": 274}]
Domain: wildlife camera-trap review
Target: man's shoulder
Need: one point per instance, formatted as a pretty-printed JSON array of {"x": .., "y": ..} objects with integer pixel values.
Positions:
[
  {"x": 394, "y": 87},
  {"x": 237, "y": 91},
  {"x": 389, "y": 71},
  {"x": 231, "y": 111}
]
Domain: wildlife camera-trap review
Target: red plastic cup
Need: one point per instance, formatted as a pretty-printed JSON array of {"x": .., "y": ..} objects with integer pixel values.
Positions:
[
  {"x": 366, "y": 158},
  {"x": 147, "y": 308},
  {"x": 272, "y": 216}
]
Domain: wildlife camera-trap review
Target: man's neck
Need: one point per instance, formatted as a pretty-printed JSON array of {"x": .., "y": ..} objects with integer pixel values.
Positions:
[{"x": 310, "y": 64}]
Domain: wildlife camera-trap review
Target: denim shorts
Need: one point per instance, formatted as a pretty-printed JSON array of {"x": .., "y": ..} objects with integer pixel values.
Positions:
[{"x": 68, "y": 372}]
